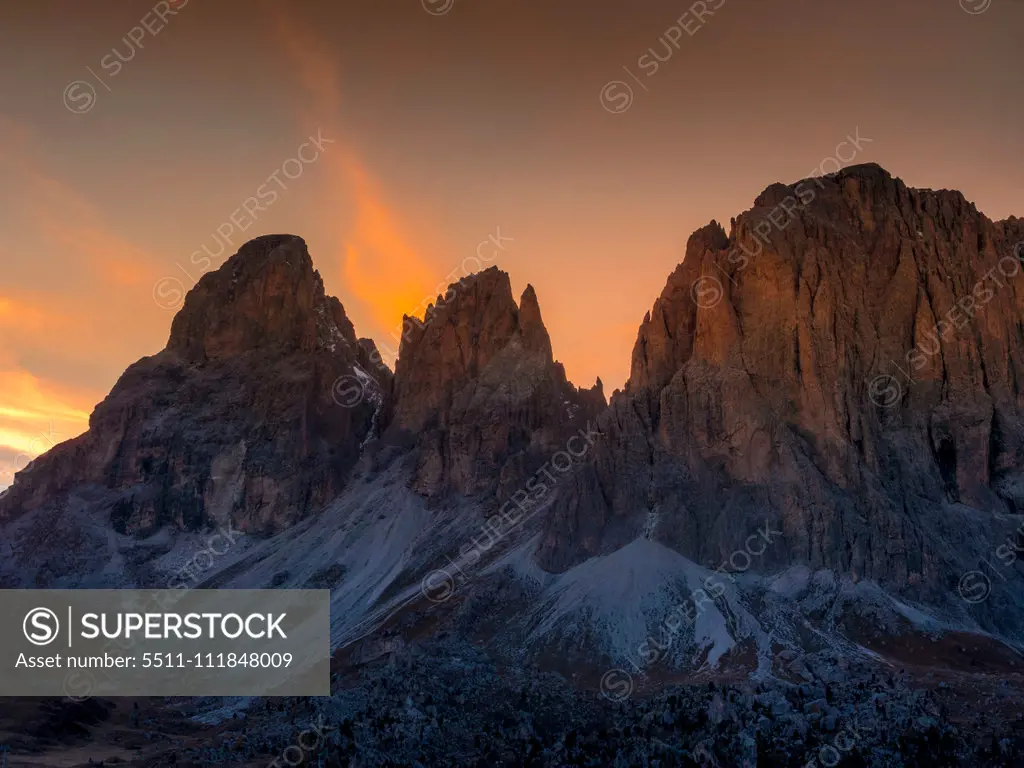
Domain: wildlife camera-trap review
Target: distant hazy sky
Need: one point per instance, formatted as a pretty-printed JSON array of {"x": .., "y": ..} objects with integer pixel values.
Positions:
[{"x": 450, "y": 120}]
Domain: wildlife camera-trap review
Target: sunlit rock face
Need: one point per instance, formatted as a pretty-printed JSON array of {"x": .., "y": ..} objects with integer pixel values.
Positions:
[
  {"x": 846, "y": 364},
  {"x": 477, "y": 384}
]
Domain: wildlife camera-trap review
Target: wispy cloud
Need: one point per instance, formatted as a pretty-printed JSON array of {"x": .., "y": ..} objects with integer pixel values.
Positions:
[
  {"x": 380, "y": 264},
  {"x": 54, "y": 320}
]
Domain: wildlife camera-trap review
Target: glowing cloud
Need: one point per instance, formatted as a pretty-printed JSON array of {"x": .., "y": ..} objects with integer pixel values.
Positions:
[
  {"x": 35, "y": 416},
  {"x": 379, "y": 265},
  {"x": 60, "y": 325}
]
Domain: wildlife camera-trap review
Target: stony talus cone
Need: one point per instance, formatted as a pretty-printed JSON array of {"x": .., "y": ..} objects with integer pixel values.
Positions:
[
  {"x": 849, "y": 373},
  {"x": 235, "y": 420}
]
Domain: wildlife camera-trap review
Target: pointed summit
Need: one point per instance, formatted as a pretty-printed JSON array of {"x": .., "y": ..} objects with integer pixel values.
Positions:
[
  {"x": 476, "y": 383},
  {"x": 710, "y": 237},
  {"x": 531, "y": 326},
  {"x": 265, "y": 296},
  {"x": 458, "y": 337}
]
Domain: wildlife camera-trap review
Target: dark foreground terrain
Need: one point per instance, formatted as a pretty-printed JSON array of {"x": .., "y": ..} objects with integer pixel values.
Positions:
[{"x": 446, "y": 704}]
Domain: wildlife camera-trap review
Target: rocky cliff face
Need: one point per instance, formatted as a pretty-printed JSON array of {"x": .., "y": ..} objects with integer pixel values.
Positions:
[
  {"x": 237, "y": 419},
  {"x": 846, "y": 365},
  {"x": 476, "y": 383}
]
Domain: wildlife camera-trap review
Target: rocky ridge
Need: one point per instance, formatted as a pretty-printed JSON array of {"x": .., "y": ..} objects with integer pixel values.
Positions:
[{"x": 764, "y": 395}]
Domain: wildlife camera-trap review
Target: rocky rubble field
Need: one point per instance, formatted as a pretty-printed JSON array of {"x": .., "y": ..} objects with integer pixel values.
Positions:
[{"x": 447, "y": 704}]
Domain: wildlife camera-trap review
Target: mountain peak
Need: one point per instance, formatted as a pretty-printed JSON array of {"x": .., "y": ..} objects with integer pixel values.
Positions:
[
  {"x": 710, "y": 237},
  {"x": 833, "y": 360},
  {"x": 256, "y": 412},
  {"x": 457, "y": 338},
  {"x": 265, "y": 296},
  {"x": 531, "y": 326},
  {"x": 477, "y": 384},
  {"x": 867, "y": 170}
]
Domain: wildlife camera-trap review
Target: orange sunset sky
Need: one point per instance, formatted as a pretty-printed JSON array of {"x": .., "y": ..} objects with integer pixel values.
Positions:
[{"x": 127, "y": 140}]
